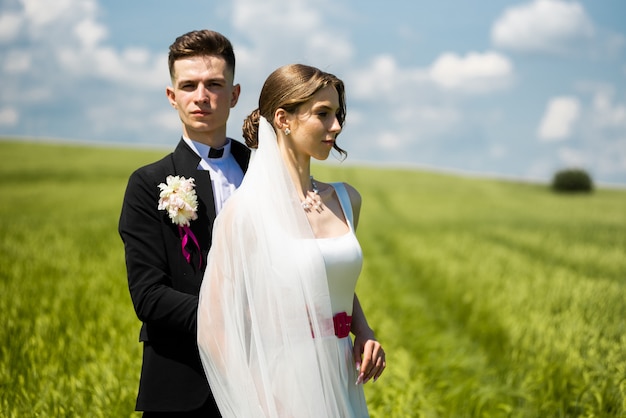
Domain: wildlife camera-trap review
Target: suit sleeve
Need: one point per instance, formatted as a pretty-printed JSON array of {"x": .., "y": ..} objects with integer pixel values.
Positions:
[{"x": 142, "y": 229}]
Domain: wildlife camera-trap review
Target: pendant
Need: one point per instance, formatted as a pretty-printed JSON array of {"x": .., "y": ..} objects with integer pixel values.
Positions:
[{"x": 312, "y": 199}]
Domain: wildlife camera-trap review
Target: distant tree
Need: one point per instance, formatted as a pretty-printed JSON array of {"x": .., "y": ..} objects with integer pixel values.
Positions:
[{"x": 572, "y": 181}]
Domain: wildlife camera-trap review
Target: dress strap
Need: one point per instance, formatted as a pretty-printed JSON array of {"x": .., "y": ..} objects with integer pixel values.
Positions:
[{"x": 344, "y": 200}]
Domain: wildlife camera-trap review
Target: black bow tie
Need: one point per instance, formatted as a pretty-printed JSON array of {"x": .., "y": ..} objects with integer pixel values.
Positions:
[{"x": 216, "y": 153}]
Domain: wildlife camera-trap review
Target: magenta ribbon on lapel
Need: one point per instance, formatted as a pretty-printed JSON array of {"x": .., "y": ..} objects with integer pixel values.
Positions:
[{"x": 186, "y": 233}]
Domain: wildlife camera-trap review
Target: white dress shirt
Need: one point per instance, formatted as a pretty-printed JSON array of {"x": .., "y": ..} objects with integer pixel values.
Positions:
[{"x": 226, "y": 174}]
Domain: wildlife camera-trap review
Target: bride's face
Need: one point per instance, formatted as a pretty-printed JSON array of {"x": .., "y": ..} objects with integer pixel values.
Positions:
[{"x": 316, "y": 125}]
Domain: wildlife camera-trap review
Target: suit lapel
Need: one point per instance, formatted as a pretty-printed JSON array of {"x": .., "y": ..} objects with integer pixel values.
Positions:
[{"x": 241, "y": 154}]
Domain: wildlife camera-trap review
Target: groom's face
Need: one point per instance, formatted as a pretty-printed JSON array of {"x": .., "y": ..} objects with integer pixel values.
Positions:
[{"x": 203, "y": 93}]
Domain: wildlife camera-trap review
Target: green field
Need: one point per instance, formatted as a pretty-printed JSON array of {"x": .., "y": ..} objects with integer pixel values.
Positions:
[{"x": 492, "y": 298}]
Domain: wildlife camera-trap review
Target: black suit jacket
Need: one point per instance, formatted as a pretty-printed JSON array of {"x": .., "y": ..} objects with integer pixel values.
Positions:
[{"x": 163, "y": 286}]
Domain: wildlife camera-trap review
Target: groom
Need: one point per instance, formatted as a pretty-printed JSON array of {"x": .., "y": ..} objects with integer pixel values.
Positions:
[{"x": 165, "y": 261}]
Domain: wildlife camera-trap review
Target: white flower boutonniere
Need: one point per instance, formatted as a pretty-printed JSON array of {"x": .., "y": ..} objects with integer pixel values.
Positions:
[{"x": 178, "y": 198}]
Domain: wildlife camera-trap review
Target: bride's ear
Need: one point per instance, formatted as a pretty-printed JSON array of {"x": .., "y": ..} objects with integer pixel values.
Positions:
[{"x": 280, "y": 119}]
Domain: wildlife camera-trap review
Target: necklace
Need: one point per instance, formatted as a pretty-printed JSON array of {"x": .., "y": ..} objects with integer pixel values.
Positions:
[{"x": 312, "y": 199}]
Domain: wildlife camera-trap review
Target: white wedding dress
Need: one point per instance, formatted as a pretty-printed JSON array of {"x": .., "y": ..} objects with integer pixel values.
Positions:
[
  {"x": 343, "y": 260},
  {"x": 266, "y": 334}
]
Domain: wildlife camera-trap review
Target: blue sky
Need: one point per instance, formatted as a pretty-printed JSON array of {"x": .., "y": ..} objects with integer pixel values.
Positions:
[{"x": 517, "y": 89}]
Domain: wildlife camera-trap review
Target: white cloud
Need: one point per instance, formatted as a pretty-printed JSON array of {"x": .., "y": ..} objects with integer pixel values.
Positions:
[
  {"x": 607, "y": 115},
  {"x": 281, "y": 32},
  {"x": 273, "y": 16},
  {"x": 389, "y": 141},
  {"x": 384, "y": 81},
  {"x": 52, "y": 22},
  {"x": 90, "y": 33},
  {"x": 613, "y": 44},
  {"x": 134, "y": 67},
  {"x": 330, "y": 45},
  {"x": 599, "y": 142},
  {"x": 406, "y": 104},
  {"x": 475, "y": 72},
  {"x": 559, "y": 118},
  {"x": 395, "y": 109},
  {"x": 437, "y": 115},
  {"x": 42, "y": 12},
  {"x": 66, "y": 35},
  {"x": 543, "y": 26},
  {"x": 381, "y": 77},
  {"x": 10, "y": 24},
  {"x": 8, "y": 116},
  {"x": 167, "y": 121},
  {"x": 17, "y": 61},
  {"x": 133, "y": 115}
]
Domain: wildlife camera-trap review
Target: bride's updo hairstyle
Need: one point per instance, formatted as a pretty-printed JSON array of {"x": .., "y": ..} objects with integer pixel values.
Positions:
[{"x": 288, "y": 88}]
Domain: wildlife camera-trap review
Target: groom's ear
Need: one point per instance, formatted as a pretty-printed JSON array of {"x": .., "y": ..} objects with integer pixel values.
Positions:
[
  {"x": 171, "y": 96},
  {"x": 235, "y": 95}
]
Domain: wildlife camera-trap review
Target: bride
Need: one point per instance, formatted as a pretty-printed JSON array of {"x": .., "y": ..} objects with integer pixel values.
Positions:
[{"x": 278, "y": 303}]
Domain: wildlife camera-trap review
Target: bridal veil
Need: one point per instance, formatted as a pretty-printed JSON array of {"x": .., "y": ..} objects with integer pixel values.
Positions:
[{"x": 265, "y": 328}]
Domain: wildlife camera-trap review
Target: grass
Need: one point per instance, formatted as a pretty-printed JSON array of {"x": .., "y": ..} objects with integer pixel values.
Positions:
[{"x": 491, "y": 298}]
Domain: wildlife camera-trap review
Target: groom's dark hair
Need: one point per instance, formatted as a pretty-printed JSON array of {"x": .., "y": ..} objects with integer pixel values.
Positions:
[{"x": 201, "y": 42}]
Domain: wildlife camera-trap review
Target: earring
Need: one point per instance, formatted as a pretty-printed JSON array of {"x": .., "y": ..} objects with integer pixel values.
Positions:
[{"x": 287, "y": 131}]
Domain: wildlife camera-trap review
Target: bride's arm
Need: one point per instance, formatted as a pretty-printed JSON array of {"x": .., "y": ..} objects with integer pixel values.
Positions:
[{"x": 369, "y": 355}]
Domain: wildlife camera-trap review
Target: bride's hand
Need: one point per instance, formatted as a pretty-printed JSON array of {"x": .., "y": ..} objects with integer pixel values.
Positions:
[{"x": 369, "y": 357}]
